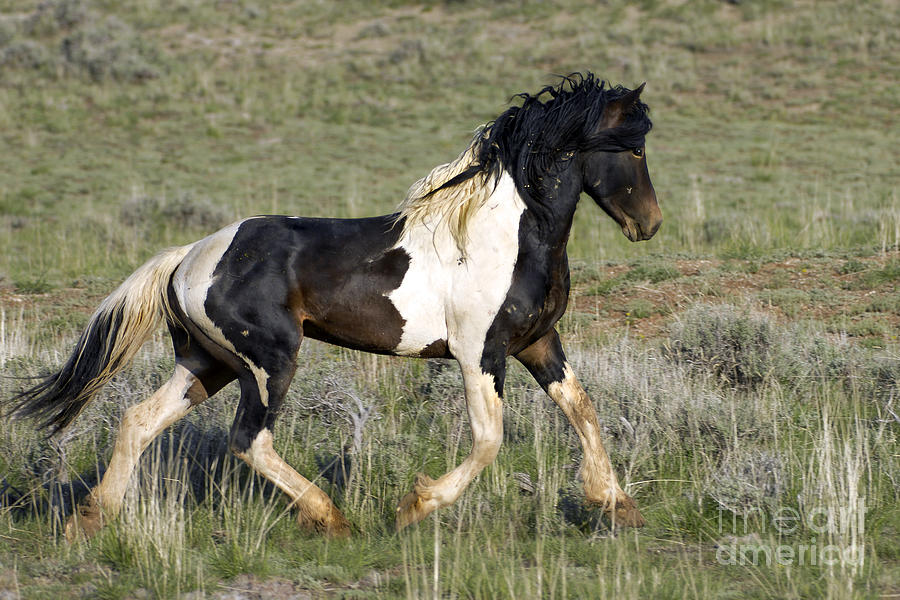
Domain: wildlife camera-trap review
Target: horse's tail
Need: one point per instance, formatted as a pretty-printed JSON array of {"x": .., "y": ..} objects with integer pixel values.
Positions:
[{"x": 114, "y": 334}]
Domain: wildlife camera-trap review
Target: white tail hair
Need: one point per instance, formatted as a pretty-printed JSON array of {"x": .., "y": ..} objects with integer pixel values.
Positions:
[{"x": 114, "y": 334}]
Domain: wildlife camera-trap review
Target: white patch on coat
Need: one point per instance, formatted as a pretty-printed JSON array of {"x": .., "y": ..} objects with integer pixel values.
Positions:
[
  {"x": 262, "y": 457},
  {"x": 191, "y": 283},
  {"x": 445, "y": 295}
]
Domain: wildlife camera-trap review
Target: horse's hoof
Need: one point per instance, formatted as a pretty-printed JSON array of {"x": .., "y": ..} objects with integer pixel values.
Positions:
[
  {"x": 626, "y": 513},
  {"x": 415, "y": 505},
  {"x": 86, "y": 521},
  {"x": 333, "y": 525}
]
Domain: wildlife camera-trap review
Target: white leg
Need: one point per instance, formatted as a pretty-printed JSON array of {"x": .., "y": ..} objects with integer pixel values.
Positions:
[
  {"x": 486, "y": 418},
  {"x": 140, "y": 425},
  {"x": 600, "y": 483},
  {"x": 315, "y": 508}
]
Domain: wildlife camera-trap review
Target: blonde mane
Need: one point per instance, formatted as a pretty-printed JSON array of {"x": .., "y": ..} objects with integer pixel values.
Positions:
[{"x": 429, "y": 204}]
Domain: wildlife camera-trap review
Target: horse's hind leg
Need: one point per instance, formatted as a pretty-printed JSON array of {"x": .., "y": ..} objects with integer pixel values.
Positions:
[
  {"x": 140, "y": 424},
  {"x": 262, "y": 392},
  {"x": 197, "y": 376}
]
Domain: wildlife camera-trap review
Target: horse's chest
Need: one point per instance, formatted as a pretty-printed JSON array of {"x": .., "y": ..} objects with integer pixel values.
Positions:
[
  {"x": 536, "y": 300},
  {"x": 450, "y": 296},
  {"x": 454, "y": 300}
]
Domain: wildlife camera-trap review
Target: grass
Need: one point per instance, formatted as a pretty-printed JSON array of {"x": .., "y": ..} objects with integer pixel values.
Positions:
[
  {"x": 649, "y": 269},
  {"x": 267, "y": 114},
  {"x": 714, "y": 467},
  {"x": 744, "y": 361}
]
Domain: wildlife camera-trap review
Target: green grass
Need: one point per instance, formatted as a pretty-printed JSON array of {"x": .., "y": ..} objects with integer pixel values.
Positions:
[
  {"x": 647, "y": 269},
  {"x": 308, "y": 111},
  {"x": 166, "y": 120}
]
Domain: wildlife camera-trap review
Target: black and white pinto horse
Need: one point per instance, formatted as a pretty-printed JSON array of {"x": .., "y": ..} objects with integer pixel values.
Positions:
[{"x": 473, "y": 267}]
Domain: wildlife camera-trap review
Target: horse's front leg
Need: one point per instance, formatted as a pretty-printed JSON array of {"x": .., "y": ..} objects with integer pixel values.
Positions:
[
  {"x": 547, "y": 362},
  {"x": 485, "y": 408}
]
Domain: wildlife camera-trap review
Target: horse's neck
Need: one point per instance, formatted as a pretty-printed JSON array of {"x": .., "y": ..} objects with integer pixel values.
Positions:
[
  {"x": 550, "y": 220},
  {"x": 496, "y": 228},
  {"x": 496, "y": 222}
]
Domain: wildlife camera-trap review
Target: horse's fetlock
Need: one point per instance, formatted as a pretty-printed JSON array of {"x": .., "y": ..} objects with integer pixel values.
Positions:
[{"x": 424, "y": 486}]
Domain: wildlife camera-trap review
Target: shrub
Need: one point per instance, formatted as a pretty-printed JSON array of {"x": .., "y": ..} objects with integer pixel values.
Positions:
[
  {"x": 25, "y": 54},
  {"x": 735, "y": 345},
  {"x": 7, "y": 33},
  {"x": 720, "y": 229},
  {"x": 52, "y": 16},
  {"x": 110, "y": 49},
  {"x": 184, "y": 210},
  {"x": 883, "y": 375},
  {"x": 69, "y": 36},
  {"x": 747, "y": 479}
]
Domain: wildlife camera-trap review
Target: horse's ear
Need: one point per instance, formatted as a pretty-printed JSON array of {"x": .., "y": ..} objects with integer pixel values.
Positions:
[
  {"x": 615, "y": 111},
  {"x": 637, "y": 92}
]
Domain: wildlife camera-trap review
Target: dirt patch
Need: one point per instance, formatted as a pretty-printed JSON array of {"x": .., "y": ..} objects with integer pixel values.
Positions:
[{"x": 836, "y": 291}]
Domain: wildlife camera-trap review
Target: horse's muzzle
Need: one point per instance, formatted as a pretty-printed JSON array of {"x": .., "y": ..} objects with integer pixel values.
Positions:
[{"x": 638, "y": 231}]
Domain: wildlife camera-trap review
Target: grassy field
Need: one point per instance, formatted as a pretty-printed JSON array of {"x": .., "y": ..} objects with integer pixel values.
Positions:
[{"x": 744, "y": 362}]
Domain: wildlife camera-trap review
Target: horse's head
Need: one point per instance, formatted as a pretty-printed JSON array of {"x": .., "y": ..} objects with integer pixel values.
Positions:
[{"x": 618, "y": 181}]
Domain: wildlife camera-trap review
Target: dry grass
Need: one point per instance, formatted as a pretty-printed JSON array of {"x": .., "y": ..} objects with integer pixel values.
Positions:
[{"x": 712, "y": 465}]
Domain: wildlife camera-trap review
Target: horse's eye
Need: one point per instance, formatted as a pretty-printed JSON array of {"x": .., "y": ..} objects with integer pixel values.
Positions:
[{"x": 638, "y": 152}]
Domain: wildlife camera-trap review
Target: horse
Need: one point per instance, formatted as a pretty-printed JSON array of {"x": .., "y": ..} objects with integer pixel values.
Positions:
[{"x": 472, "y": 267}]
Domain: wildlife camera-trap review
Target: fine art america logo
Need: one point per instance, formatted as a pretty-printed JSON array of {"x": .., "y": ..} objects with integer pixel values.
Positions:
[{"x": 837, "y": 538}]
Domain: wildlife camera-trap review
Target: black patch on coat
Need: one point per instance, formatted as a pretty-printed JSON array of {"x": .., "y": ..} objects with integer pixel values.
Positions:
[
  {"x": 436, "y": 349},
  {"x": 539, "y": 291},
  {"x": 285, "y": 277},
  {"x": 326, "y": 278},
  {"x": 545, "y": 359}
]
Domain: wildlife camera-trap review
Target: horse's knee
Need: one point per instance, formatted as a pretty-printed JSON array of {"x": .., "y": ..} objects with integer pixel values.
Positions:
[
  {"x": 135, "y": 430},
  {"x": 251, "y": 444},
  {"x": 487, "y": 432},
  {"x": 131, "y": 416},
  {"x": 249, "y": 424}
]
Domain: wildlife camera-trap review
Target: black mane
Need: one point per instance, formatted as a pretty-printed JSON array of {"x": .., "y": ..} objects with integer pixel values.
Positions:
[{"x": 528, "y": 140}]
